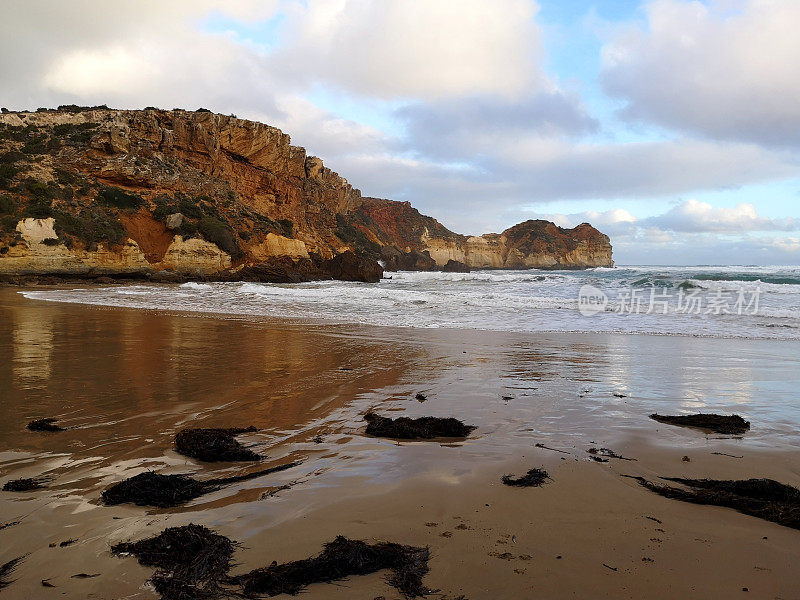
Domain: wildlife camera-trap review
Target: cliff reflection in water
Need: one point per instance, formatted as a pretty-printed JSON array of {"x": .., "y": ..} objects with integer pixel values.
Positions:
[{"x": 129, "y": 379}]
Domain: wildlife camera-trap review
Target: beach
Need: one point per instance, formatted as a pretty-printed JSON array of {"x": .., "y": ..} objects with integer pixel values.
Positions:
[{"x": 125, "y": 380}]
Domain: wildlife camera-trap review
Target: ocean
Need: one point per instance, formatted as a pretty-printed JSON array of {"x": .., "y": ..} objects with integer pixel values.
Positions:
[{"x": 709, "y": 301}]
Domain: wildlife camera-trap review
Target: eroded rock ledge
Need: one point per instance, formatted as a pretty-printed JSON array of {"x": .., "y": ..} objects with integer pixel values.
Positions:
[{"x": 89, "y": 192}]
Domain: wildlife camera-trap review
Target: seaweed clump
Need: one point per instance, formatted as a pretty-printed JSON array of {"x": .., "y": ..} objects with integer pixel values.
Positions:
[
  {"x": 607, "y": 452},
  {"x": 763, "y": 498},
  {"x": 729, "y": 424},
  {"x": 6, "y": 570},
  {"x": 23, "y": 485},
  {"x": 48, "y": 424},
  {"x": 533, "y": 478},
  {"x": 423, "y": 428},
  {"x": 165, "y": 491},
  {"x": 191, "y": 561},
  {"x": 339, "y": 559},
  {"x": 213, "y": 445}
]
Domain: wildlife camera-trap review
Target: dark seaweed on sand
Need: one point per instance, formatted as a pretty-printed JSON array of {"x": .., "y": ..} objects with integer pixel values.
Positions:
[
  {"x": 339, "y": 559},
  {"x": 763, "y": 498},
  {"x": 423, "y": 428},
  {"x": 607, "y": 452},
  {"x": 213, "y": 445},
  {"x": 191, "y": 561},
  {"x": 48, "y": 424},
  {"x": 6, "y": 570},
  {"x": 24, "y": 485},
  {"x": 730, "y": 424},
  {"x": 533, "y": 478},
  {"x": 165, "y": 491}
]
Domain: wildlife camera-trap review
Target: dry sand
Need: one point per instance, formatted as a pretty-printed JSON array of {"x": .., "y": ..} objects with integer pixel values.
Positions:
[{"x": 128, "y": 380}]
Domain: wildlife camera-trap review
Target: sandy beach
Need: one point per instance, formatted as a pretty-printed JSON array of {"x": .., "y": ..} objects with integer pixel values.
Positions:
[{"x": 124, "y": 381}]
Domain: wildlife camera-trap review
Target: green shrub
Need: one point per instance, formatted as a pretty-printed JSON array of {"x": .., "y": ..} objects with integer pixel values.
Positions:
[
  {"x": 287, "y": 226},
  {"x": 164, "y": 206},
  {"x": 91, "y": 227},
  {"x": 39, "y": 208},
  {"x": 65, "y": 177},
  {"x": 37, "y": 188},
  {"x": 40, "y": 191},
  {"x": 8, "y": 205},
  {"x": 16, "y": 133},
  {"x": 7, "y": 173},
  {"x": 8, "y": 223},
  {"x": 52, "y": 242},
  {"x": 218, "y": 232},
  {"x": 188, "y": 229},
  {"x": 11, "y": 156},
  {"x": 75, "y": 133},
  {"x": 190, "y": 208},
  {"x": 119, "y": 198},
  {"x": 39, "y": 145}
]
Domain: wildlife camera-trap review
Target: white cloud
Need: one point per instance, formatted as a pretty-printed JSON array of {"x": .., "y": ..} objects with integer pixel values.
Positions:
[
  {"x": 94, "y": 72},
  {"x": 725, "y": 70},
  {"x": 616, "y": 218},
  {"x": 416, "y": 48},
  {"x": 693, "y": 216},
  {"x": 131, "y": 54}
]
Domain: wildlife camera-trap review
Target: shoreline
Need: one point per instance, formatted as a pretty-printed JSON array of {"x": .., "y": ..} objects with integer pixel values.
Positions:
[
  {"x": 325, "y": 321},
  {"x": 128, "y": 379}
]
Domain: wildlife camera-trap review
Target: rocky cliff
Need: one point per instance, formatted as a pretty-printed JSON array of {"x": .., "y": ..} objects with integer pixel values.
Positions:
[
  {"x": 531, "y": 244},
  {"x": 95, "y": 191}
]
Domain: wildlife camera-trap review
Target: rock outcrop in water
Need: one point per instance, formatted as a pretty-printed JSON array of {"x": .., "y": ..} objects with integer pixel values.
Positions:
[{"x": 98, "y": 192}]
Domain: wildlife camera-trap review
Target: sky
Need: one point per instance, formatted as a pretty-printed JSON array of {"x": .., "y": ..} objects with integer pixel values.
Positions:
[{"x": 671, "y": 125}]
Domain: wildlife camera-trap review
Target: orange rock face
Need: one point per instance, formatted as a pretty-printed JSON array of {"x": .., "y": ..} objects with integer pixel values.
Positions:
[{"x": 113, "y": 177}]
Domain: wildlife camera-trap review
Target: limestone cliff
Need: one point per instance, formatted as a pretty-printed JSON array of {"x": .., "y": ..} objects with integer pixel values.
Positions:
[{"x": 95, "y": 191}]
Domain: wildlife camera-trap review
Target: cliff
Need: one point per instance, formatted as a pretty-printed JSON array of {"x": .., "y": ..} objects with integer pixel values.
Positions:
[
  {"x": 531, "y": 244},
  {"x": 95, "y": 191}
]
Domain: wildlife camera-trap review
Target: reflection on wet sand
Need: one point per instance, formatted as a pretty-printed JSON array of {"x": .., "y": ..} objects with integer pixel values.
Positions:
[{"x": 32, "y": 344}]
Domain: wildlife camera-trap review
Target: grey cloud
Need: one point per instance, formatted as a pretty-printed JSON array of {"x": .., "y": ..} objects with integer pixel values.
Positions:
[
  {"x": 472, "y": 125},
  {"x": 710, "y": 71}
]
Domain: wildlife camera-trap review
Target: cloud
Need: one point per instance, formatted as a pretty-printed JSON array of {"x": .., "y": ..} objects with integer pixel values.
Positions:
[
  {"x": 726, "y": 70},
  {"x": 705, "y": 249},
  {"x": 694, "y": 216},
  {"x": 469, "y": 126},
  {"x": 415, "y": 49},
  {"x": 690, "y": 216},
  {"x": 638, "y": 169},
  {"x": 617, "y": 220},
  {"x": 131, "y": 54},
  {"x": 692, "y": 233}
]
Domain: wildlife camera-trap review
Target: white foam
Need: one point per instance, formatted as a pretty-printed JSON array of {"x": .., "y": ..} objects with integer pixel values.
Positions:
[{"x": 493, "y": 300}]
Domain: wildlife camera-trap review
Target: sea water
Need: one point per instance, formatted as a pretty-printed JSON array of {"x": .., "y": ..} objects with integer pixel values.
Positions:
[{"x": 713, "y": 301}]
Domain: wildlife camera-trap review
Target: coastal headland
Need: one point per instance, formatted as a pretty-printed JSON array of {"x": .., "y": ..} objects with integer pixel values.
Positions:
[{"x": 174, "y": 195}]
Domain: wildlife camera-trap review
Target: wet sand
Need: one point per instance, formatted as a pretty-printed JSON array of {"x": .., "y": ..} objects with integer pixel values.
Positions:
[{"x": 128, "y": 380}]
